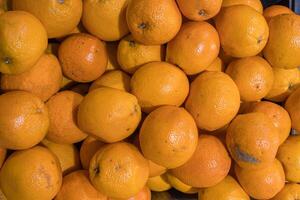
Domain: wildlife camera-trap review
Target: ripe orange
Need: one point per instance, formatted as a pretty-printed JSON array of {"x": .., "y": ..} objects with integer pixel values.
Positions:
[
  {"x": 275, "y": 10},
  {"x": 292, "y": 105},
  {"x": 255, "y": 4},
  {"x": 216, "y": 66},
  {"x": 111, "y": 49},
  {"x": 291, "y": 191},
  {"x": 158, "y": 183}
]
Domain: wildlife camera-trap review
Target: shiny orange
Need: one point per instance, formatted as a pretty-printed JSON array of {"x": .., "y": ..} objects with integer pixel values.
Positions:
[
  {"x": 291, "y": 191},
  {"x": 275, "y": 10},
  {"x": 255, "y": 4}
]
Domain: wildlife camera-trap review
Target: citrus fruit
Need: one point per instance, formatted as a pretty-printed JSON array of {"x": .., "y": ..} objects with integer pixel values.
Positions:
[
  {"x": 275, "y": 10},
  {"x": 292, "y": 105}
]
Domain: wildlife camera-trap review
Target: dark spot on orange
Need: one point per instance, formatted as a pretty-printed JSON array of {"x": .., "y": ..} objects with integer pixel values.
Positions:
[
  {"x": 7, "y": 60},
  {"x": 259, "y": 40},
  {"x": 143, "y": 26},
  {"x": 202, "y": 12},
  {"x": 132, "y": 43},
  {"x": 244, "y": 156},
  {"x": 97, "y": 170},
  {"x": 61, "y": 1}
]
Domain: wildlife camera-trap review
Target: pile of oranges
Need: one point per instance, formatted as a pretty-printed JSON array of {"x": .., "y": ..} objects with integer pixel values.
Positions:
[{"x": 113, "y": 99}]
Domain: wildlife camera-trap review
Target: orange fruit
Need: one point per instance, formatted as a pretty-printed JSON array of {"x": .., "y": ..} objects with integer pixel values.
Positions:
[
  {"x": 153, "y": 22},
  {"x": 179, "y": 185},
  {"x": 88, "y": 149},
  {"x": 275, "y": 10},
  {"x": 144, "y": 194},
  {"x": 109, "y": 114},
  {"x": 199, "y": 10},
  {"x": 168, "y": 136},
  {"x": 292, "y": 105},
  {"x": 216, "y": 66},
  {"x": 32, "y": 174},
  {"x": 281, "y": 50},
  {"x": 159, "y": 83},
  {"x": 105, "y": 19},
  {"x": 159, "y": 183},
  {"x": 291, "y": 191},
  {"x": 23, "y": 39},
  {"x": 83, "y": 57},
  {"x": 119, "y": 170},
  {"x": 184, "y": 51},
  {"x": 252, "y": 140},
  {"x": 285, "y": 82},
  {"x": 253, "y": 76},
  {"x": 255, "y": 4},
  {"x": 62, "y": 109},
  {"x": 132, "y": 54},
  {"x": 262, "y": 183},
  {"x": 208, "y": 166},
  {"x": 43, "y": 79},
  {"x": 2, "y": 156},
  {"x": 111, "y": 49},
  {"x": 24, "y": 120},
  {"x": 213, "y": 110},
  {"x": 243, "y": 31}
]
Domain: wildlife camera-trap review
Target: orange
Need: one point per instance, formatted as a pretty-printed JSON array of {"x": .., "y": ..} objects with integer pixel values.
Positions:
[
  {"x": 213, "y": 101},
  {"x": 253, "y": 76},
  {"x": 132, "y": 54},
  {"x": 194, "y": 48},
  {"x": 114, "y": 79},
  {"x": 159, "y": 183},
  {"x": 255, "y": 4},
  {"x": 159, "y": 83},
  {"x": 119, "y": 170},
  {"x": 153, "y": 22},
  {"x": 111, "y": 49},
  {"x": 292, "y": 105},
  {"x": 252, "y": 140},
  {"x": 88, "y": 149},
  {"x": 281, "y": 50},
  {"x": 109, "y": 114},
  {"x": 285, "y": 82},
  {"x": 83, "y": 57},
  {"x": 24, "y": 120},
  {"x": 275, "y": 10},
  {"x": 278, "y": 115},
  {"x": 62, "y": 109},
  {"x": 2, "y": 156},
  {"x": 43, "y": 79},
  {"x": 208, "y": 166},
  {"x": 227, "y": 189},
  {"x": 243, "y": 31},
  {"x": 291, "y": 191},
  {"x": 179, "y": 185},
  {"x": 262, "y": 183},
  {"x": 168, "y": 136},
  {"x": 144, "y": 194},
  {"x": 23, "y": 39},
  {"x": 32, "y": 174},
  {"x": 105, "y": 19},
  {"x": 216, "y": 66}
]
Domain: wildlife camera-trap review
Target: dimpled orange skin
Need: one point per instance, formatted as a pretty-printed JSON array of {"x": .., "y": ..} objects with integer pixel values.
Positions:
[
  {"x": 24, "y": 124},
  {"x": 144, "y": 194},
  {"x": 213, "y": 110},
  {"x": 2, "y": 156},
  {"x": 252, "y": 34},
  {"x": 262, "y": 183},
  {"x": 199, "y": 10},
  {"x": 159, "y": 83},
  {"x": 43, "y": 79},
  {"x": 252, "y": 140},
  {"x": 83, "y": 57},
  {"x": 292, "y": 105},
  {"x": 32, "y": 174},
  {"x": 109, "y": 114},
  {"x": 194, "y": 48},
  {"x": 253, "y": 76},
  {"x": 58, "y": 17},
  {"x": 275, "y": 10},
  {"x": 282, "y": 50},
  {"x": 291, "y": 191},
  {"x": 168, "y": 136},
  {"x": 153, "y": 22},
  {"x": 77, "y": 186},
  {"x": 62, "y": 109},
  {"x": 22, "y": 43},
  {"x": 255, "y": 4},
  {"x": 118, "y": 170}
]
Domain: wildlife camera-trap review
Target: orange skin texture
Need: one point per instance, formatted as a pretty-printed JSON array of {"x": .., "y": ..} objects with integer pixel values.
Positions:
[
  {"x": 262, "y": 183},
  {"x": 252, "y": 34},
  {"x": 39, "y": 180},
  {"x": 144, "y": 194},
  {"x": 111, "y": 49},
  {"x": 168, "y": 136},
  {"x": 255, "y": 4},
  {"x": 109, "y": 114},
  {"x": 292, "y": 105},
  {"x": 278, "y": 115},
  {"x": 159, "y": 183},
  {"x": 282, "y": 50},
  {"x": 2, "y": 156},
  {"x": 252, "y": 140},
  {"x": 83, "y": 57},
  {"x": 106, "y": 20},
  {"x": 88, "y": 149},
  {"x": 62, "y": 109},
  {"x": 291, "y": 191},
  {"x": 43, "y": 79},
  {"x": 27, "y": 118},
  {"x": 157, "y": 24},
  {"x": 208, "y": 166},
  {"x": 119, "y": 170},
  {"x": 199, "y": 10},
  {"x": 194, "y": 48},
  {"x": 213, "y": 110},
  {"x": 159, "y": 83},
  {"x": 216, "y": 66},
  {"x": 253, "y": 76},
  {"x": 23, "y": 40},
  {"x": 275, "y": 10}
]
